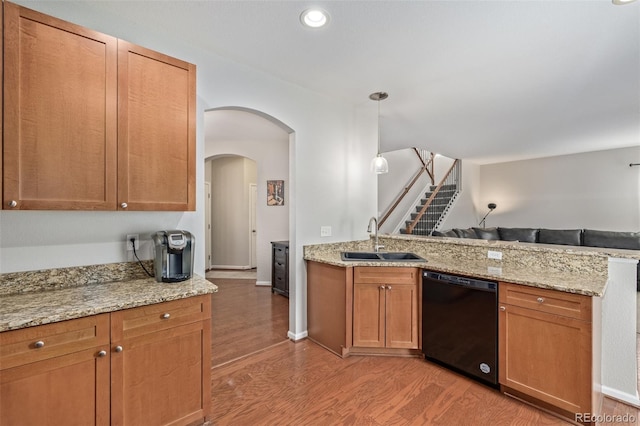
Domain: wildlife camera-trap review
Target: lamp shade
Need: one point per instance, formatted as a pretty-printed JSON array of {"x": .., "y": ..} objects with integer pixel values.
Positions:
[{"x": 379, "y": 165}]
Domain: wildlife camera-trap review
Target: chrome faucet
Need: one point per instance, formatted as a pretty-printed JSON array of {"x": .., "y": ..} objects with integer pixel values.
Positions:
[{"x": 376, "y": 246}]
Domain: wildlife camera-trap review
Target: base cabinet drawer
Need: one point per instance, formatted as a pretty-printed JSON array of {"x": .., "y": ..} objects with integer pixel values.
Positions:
[{"x": 28, "y": 345}]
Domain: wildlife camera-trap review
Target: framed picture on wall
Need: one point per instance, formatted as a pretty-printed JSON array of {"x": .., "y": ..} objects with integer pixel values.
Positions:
[{"x": 275, "y": 193}]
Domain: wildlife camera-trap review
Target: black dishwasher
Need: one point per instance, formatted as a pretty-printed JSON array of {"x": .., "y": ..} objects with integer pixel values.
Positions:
[{"x": 460, "y": 324}]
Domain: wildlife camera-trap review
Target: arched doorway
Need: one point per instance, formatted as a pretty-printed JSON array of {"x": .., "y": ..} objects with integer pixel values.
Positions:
[{"x": 258, "y": 137}]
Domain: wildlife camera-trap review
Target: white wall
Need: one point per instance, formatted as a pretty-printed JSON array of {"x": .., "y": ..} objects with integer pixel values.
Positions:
[
  {"x": 327, "y": 150},
  {"x": 619, "y": 313},
  {"x": 403, "y": 166},
  {"x": 596, "y": 190},
  {"x": 465, "y": 211}
]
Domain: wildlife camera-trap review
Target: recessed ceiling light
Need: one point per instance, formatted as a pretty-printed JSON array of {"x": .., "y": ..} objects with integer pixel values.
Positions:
[
  {"x": 314, "y": 18},
  {"x": 620, "y": 2}
]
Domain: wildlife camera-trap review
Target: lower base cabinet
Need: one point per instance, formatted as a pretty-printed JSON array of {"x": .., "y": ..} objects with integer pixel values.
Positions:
[
  {"x": 154, "y": 369},
  {"x": 385, "y": 307},
  {"x": 56, "y": 374},
  {"x": 364, "y": 310},
  {"x": 546, "y": 349}
]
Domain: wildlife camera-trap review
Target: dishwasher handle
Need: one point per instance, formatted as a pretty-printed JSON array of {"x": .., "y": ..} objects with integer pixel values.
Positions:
[{"x": 490, "y": 286}]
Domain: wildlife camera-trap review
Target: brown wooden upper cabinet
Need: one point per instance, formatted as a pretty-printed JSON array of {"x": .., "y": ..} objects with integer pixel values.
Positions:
[{"x": 92, "y": 122}]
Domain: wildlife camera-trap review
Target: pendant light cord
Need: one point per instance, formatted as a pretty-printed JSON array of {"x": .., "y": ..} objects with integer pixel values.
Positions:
[{"x": 378, "y": 126}]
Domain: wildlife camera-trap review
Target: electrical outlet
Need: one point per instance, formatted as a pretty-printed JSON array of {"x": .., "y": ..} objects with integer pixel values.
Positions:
[
  {"x": 325, "y": 231},
  {"x": 135, "y": 237},
  {"x": 495, "y": 255},
  {"x": 493, "y": 270}
]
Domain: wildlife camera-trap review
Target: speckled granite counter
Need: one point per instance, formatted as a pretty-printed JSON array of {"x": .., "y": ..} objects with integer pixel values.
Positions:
[
  {"x": 581, "y": 270},
  {"x": 42, "y": 297}
]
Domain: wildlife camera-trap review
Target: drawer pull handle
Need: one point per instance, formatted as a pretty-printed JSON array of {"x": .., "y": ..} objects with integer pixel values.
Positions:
[
  {"x": 503, "y": 308},
  {"x": 166, "y": 315},
  {"x": 540, "y": 299},
  {"x": 39, "y": 344},
  {"x": 102, "y": 354},
  {"x": 119, "y": 348}
]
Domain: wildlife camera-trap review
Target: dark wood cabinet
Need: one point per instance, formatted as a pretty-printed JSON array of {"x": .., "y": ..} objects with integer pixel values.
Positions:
[{"x": 280, "y": 267}]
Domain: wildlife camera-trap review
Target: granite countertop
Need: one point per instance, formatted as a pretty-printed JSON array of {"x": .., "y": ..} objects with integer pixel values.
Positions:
[
  {"x": 36, "y": 307},
  {"x": 558, "y": 268}
]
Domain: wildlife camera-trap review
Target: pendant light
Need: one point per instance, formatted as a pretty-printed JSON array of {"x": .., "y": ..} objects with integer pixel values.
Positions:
[{"x": 379, "y": 164}]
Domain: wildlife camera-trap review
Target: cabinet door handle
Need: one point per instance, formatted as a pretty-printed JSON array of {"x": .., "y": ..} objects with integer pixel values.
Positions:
[
  {"x": 119, "y": 348},
  {"x": 39, "y": 344},
  {"x": 388, "y": 287},
  {"x": 166, "y": 315},
  {"x": 102, "y": 354},
  {"x": 124, "y": 205},
  {"x": 12, "y": 203},
  {"x": 540, "y": 299},
  {"x": 503, "y": 308},
  {"x": 382, "y": 287}
]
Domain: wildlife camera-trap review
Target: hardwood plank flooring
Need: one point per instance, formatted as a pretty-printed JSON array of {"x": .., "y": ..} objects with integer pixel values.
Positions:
[
  {"x": 304, "y": 384},
  {"x": 245, "y": 318},
  {"x": 287, "y": 383}
]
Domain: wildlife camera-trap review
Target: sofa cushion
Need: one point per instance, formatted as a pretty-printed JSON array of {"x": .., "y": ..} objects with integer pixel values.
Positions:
[
  {"x": 487, "y": 233},
  {"x": 448, "y": 233},
  {"x": 525, "y": 235},
  {"x": 569, "y": 237},
  {"x": 611, "y": 239},
  {"x": 465, "y": 233}
]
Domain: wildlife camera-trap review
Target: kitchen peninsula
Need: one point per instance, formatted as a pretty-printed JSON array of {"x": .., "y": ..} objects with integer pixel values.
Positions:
[{"x": 556, "y": 304}]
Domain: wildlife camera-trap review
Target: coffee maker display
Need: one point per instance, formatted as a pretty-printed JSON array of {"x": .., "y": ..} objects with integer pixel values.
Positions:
[{"x": 173, "y": 255}]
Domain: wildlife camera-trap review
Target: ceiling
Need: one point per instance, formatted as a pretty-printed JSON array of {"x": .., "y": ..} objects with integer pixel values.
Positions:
[{"x": 487, "y": 81}]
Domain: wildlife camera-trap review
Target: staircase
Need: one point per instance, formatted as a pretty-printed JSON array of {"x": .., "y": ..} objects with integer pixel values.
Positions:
[
  {"x": 431, "y": 211},
  {"x": 435, "y": 212}
]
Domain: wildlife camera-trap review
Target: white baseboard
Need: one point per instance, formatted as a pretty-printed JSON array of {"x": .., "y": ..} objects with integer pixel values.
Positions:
[
  {"x": 264, "y": 283},
  {"x": 296, "y": 337},
  {"x": 627, "y": 398},
  {"x": 241, "y": 267}
]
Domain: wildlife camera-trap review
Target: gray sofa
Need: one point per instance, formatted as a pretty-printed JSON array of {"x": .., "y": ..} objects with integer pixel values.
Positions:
[{"x": 570, "y": 237}]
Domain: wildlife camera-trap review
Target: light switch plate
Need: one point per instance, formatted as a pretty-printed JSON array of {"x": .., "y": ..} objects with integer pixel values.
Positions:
[
  {"x": 495, "y": 255},
  {"x": 325, "y": 231}
]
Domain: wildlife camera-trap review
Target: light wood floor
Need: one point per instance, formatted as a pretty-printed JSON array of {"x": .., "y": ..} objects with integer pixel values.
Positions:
[{"x": 301, "y": 383}]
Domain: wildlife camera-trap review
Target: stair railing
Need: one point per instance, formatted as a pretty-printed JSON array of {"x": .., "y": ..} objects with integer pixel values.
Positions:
[
  {"x": 450, "y": 178},
  {"x": 426, "y": 158}
]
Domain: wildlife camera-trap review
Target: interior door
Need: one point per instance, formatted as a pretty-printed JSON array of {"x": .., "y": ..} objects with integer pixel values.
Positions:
[
  {"x": 207, "y": 225},
  {"x": 253, "y": 191}
]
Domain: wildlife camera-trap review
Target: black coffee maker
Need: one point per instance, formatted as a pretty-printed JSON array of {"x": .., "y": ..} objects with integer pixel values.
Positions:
[{"x": 173, "y": 255}]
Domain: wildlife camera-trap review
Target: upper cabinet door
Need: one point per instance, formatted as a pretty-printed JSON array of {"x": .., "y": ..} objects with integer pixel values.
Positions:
[
  {"x": 60, "y": 112},
  {"x": 156, "y": 130}
]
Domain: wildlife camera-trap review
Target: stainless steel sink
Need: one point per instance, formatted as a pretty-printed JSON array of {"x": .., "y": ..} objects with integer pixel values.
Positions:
[
  {"x": 381, "y": 256},
  {"x": 400, "y": 256}
]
